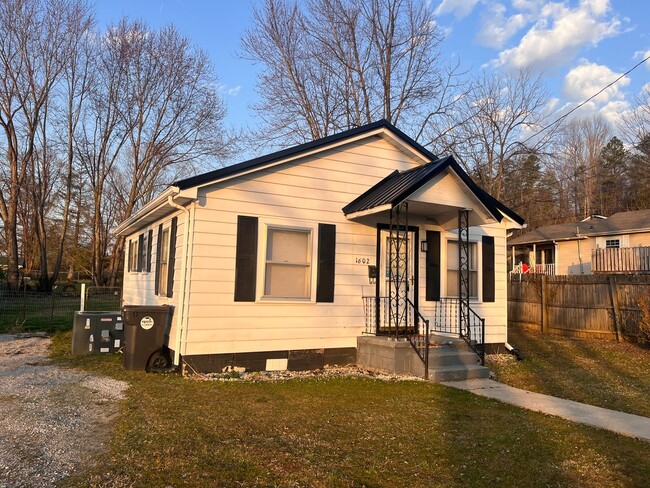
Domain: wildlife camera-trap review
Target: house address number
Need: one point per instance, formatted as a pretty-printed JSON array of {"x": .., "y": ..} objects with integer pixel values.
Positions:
[{"x": 362, "y": 260}]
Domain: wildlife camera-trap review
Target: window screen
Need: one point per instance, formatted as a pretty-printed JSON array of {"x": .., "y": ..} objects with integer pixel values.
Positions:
[
  {"x": 452, "y": 269},
  {"x": 288, "y": 264}
]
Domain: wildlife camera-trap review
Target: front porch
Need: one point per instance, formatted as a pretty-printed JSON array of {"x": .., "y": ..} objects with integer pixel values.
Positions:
[{"x": 449, "y": 359}]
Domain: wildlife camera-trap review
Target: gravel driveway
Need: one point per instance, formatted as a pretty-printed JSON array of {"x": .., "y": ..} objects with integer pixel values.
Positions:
[{"x": 52, "y": 419}]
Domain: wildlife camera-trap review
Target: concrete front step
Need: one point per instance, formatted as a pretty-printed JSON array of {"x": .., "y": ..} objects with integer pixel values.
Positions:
[
  {"x": 446, "y": 363},
  {"x": 458, "y": 373},
  {"x": 443, "y": 356}
]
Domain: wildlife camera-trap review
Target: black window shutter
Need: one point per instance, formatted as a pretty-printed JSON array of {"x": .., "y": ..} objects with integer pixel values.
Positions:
[
  {"x": 246, "y": 259},
  {"x": 326, "y": 263},
  {"x": 149, "y": 244},
  {"x": 140, "y": 248},
  {"x": 158, "y": 244},
  {"x": 172, "y": 257},
  {"x": 433, "y": 266},
  {"x": 488, "y": 268},
  {"x": 128, "y": 256}
]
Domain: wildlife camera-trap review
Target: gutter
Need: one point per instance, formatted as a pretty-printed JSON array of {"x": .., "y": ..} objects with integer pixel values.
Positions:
[{"x": 182, "y": 317}]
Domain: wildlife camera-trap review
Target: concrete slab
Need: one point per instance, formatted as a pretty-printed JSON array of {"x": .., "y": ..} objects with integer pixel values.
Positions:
[{"x": 622, "y": 423}]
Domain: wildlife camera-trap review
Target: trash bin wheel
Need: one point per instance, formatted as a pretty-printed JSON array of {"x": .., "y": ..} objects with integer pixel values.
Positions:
[{"x": 159, "y": 360}]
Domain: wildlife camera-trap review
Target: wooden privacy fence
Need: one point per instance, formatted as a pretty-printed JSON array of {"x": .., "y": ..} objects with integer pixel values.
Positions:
[
  {"x": 605, "y": 306},
  {"x": 621, "y": 260}
]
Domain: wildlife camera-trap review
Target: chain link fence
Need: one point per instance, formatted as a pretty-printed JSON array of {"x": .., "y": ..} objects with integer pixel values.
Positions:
[{"x": 25, "y": 311}]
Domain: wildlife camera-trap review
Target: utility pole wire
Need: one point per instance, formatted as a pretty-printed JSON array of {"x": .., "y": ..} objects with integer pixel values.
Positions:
[{"x": 559, "y": 119}]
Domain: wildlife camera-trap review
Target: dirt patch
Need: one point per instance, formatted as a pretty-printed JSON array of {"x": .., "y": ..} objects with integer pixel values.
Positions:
[{"x": 53, "y": 419}]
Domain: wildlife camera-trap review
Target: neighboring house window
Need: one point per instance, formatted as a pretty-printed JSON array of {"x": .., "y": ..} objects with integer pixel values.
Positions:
[
  {"x": 612, "y": 243},
  {"x": 288, "y": 263},
  {"x": 163, "y": 263},
  {"x": 452, "y": 269}
]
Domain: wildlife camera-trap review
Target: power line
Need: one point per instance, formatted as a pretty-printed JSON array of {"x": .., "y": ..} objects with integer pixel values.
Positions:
[{"x": 559, "y": 119}]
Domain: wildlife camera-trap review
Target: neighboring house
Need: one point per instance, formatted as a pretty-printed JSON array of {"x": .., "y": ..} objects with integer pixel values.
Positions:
[
  {"x": 616, "y": 244},
  {"x": 267, "y": 262}
]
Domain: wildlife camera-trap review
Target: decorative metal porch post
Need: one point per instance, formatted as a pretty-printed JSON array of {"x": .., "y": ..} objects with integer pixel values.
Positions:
[
  {"x": 463, "y": 273},
  {"x": 397, "y": 264}
]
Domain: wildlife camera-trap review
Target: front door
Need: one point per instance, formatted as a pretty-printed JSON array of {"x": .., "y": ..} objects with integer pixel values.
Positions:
[{"x": 397, "y": 279}]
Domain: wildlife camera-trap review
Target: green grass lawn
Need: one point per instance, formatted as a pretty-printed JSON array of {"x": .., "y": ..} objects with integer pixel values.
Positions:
[
  {"x": 334, "y": 432},
  {"x": 602, "y": 373}
]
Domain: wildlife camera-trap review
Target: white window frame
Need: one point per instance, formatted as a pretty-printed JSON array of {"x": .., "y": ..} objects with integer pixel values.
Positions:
[
  {"x": 611, "y": 241},
  {"x": 265, "y": 227},
  {"x": 163, "y": 277},
  {"x": 133, "y": 250},
  {"x": 478, "y": 270}
]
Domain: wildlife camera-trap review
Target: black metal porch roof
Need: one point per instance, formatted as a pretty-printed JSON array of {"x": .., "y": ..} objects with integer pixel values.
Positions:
[{"x": 399, "y": 185}]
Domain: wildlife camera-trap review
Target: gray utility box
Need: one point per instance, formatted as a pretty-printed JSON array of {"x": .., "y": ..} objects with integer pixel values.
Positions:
[
  {"x": 97, "y": 332},
  {"x": 146, "y": 329}
]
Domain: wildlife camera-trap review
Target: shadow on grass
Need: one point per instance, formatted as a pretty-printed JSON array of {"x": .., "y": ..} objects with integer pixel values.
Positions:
[
  {"x": 596, "y": 372},
  {"x": 173, "y": 431}
]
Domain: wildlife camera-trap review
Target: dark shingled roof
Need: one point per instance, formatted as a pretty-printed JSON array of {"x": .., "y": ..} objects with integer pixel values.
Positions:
[{"x": 619, "y": 223}]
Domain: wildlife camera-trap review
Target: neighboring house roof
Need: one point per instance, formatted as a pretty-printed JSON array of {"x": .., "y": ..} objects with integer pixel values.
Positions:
[
  {"x": 619, "y": 223},
  {"x": 185, "y": 190}
]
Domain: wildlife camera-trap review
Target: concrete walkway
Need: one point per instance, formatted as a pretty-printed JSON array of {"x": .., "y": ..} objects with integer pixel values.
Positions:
[{"x": 622, "y": 423}]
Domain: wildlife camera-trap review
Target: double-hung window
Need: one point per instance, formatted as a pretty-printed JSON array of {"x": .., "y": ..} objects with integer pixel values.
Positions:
[
  {"x": 288, "y": 263},
  {"x": 163, "y": 263},
  {"x": 613, "y": 243},
  {"x": 133, "y": 255},
  {"x": 452, "y": 269}
]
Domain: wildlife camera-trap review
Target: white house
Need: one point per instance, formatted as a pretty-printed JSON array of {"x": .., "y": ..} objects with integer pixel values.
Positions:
[{"x": 267, "y": 262}]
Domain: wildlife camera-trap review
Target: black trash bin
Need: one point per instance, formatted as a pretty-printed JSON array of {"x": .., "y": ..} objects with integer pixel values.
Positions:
[
  {"x": 97, "y": 332},
  {"x": 144, "y": 336}
]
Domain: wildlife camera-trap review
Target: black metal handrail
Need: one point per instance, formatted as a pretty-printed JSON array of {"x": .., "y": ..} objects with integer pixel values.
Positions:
[
  {"x": 420, "y": 342},
  {"x": 474, "y": 334}
]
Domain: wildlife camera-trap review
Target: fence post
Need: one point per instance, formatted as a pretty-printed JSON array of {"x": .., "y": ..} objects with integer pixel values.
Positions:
[
  {"x": 543, "y": 305},
  {"x": 83, "y": 297},
  {"x": 614, "y": 297}
]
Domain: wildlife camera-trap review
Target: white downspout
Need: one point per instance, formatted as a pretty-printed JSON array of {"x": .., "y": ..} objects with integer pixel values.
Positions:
[{"x": 180, "y": 324}]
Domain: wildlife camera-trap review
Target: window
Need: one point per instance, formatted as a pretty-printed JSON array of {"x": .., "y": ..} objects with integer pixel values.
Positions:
[
  {"x": 612, "y": 243},
  {"x": 163, "y": 263},
  {"x": 452, "y": 269},
  {"x": 133, "y": 255},
  {"x": 143, "y": 247},
  {"x": 288, "y": 263}
]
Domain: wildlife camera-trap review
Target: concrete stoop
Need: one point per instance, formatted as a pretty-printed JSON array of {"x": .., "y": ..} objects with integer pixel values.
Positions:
[{"x": 449, "y": 361}]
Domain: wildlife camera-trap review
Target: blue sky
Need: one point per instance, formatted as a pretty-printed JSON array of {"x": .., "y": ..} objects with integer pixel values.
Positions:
[{"x": 578, "y": 46}]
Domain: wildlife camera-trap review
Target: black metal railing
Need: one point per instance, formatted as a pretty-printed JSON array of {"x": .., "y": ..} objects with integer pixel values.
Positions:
[
  {"x": 473, "y": 333},
  {"x": 420, "y": 339},
  {"x": 444, "y": 319},
  {"x": 445, "y": 316}
]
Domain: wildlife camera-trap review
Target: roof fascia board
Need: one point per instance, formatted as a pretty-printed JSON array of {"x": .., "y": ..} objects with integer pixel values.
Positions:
[
  {"x": 370, "y": 211},
  {"x": 128, "y": 225},
  {"x": 383, "y": 131}
]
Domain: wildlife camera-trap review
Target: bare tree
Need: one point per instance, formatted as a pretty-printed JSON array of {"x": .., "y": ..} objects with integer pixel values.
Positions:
[
  {"x": 492, "y": 119},
  {"x": 37, "y": 40},
  {"x": 170, "y": 111},
  {"x": 336, "y": 64},
  {"x": 578, "y": 162}
]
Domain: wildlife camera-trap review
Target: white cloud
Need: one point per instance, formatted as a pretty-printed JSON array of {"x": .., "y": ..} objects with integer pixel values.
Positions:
[
  {"x": 231, "y": 91},
  {"x": 559, "y": 33},
  {"x": 587, "y": 78},
  {"x": 460, "y": 8},
  {"x": 497, "y": 28},
  {"x": 643, "y": 55}
]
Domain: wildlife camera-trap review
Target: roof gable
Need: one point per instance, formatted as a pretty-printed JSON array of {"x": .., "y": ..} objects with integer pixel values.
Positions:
[{"x": 396, "y": 137}]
